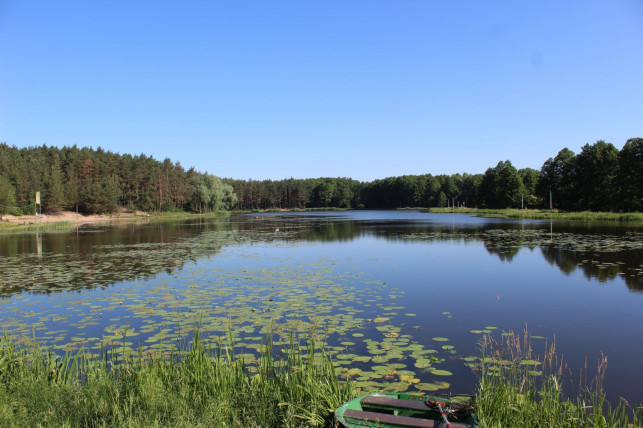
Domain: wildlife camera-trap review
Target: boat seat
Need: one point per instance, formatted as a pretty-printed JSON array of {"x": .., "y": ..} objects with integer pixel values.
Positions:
[
  {"x": 396, "y": 420},
  {"x": 384, "y": 402}
]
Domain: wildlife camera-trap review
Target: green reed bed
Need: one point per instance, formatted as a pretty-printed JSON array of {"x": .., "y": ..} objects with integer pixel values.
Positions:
[
  {"x": 196, "y": 386},
  {"x": 516, "y": 389},
  {"x": 546, "y": 214}
]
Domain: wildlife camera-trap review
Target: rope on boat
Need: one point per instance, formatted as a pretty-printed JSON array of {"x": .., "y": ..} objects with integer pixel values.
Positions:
[
  {"x": 443, "y": 414},
  {"x": 453, "y": 408}
]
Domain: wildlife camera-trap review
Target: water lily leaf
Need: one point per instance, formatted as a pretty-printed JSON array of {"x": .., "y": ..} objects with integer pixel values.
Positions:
[
  {"x": 438, "y": 372},
  {"x": 435, "y": 386}
]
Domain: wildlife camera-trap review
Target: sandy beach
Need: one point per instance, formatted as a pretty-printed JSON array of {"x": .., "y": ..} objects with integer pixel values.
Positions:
[{"x": 71, "y": 217}]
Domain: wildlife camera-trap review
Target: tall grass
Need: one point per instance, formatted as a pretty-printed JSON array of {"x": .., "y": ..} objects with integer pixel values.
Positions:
[
  {"x": 196, "y": 386},
  {"x": 518, "y": 390},
  {"x": 201, "y": 386}
]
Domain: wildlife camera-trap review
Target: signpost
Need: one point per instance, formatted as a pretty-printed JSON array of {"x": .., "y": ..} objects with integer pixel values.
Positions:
[{"x": 37, "y": 205}]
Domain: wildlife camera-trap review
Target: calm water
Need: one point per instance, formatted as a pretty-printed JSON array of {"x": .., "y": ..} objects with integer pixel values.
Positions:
[{"x": 396, "y": 294}]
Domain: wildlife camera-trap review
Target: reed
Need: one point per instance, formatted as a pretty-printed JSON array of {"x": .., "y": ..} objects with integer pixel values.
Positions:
[
  {"x": 201, "y": 386},
  {"x": 517, "y": 389},
  {"x": 194, "y": 386}
]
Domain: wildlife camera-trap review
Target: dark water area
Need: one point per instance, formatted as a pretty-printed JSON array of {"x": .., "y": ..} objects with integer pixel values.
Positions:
[{"x": 401, "y": 297}]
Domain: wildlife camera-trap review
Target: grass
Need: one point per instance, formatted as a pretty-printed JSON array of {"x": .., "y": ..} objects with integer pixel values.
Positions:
[
  {"x": 62, "y": 226},
  {"x": 275, "y": 209},
  {"x": 517, "y": 390},
  {"x": 6, "y": 227},
  {"x": 546, "y": 214},
  {"x": 194, "y": 387},
  {"x": 199, "y": 386}
]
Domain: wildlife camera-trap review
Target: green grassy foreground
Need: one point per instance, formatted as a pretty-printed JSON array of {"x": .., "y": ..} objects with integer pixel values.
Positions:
[
  {"x": 546, "y": 214},
  {"x": 201, "y": 387},
  {"x": 196, "y": 387}
]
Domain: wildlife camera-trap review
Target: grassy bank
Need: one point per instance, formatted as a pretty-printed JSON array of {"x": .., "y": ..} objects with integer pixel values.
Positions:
[
  {"x": 194, "y": 388},
  {"x": 198, "y": 387},
  {"x": 546, "y": 214},
  {"x": 62, "y": 226},
  {"x": 36, "y": 227}
]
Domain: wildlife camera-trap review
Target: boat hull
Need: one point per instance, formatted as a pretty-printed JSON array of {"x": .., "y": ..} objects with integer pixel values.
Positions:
[{"x": 388, "y": 410}]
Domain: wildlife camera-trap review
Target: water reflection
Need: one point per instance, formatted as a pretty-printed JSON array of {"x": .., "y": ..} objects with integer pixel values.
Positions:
[
  {"x": 100, "y": 256},
  {"x": 97, "y": 257}
]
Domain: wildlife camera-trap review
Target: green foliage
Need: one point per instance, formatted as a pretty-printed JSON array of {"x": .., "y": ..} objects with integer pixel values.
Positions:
[
  {"x": 556, "y": 176},
  {"x": 517, "y": 389},
  {"x": 7, "y": 197},
  {"x": 95, "y": 181},
  {"x": 501, "y": 187},
  {"x": 629, "y": 179},
  {"x": 201, "y": 386},
  {"x": 530, "y": 178},
  {"x": 209, "y": 193},
  {"x": 595, "y": 172},
  {"x": 194, "y": 386},
  {"x": 53, "y": 195},
  {"x": 600, "y": 178}
]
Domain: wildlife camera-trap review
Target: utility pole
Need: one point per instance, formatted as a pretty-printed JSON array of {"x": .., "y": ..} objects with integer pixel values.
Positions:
[{"x": 550, "y": 204}]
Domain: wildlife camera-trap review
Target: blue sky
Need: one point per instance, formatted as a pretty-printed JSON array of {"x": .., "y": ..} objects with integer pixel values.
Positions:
[{"x": 361, "y": 89}]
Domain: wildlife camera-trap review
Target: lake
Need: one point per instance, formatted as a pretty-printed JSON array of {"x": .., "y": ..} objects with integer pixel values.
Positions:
[{"x": 399, "y": 297}]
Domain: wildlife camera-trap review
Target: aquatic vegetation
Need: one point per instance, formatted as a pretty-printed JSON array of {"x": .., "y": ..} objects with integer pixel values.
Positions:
[
  {"x": 511, "y": 392},
  {"x": 322, "y": 301},
  {"x": 247, "y": 278},
  {"x": 193, "y": 385}
]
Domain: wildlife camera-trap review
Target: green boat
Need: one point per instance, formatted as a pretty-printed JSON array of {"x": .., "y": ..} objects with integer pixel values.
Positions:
[{"x": 388, "y": 410}]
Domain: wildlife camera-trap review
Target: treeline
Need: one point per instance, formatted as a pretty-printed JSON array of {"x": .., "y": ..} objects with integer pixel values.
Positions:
[
  {"x": 297, "y": 193},
  {"x": 98, "y": 181},
  {"x": 599, "y": 178}
]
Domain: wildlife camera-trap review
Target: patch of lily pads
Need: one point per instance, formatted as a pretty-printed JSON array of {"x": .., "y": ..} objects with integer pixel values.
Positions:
[
  {"x": 150, "y": 296},
  {"x": 242, "y": 303}
]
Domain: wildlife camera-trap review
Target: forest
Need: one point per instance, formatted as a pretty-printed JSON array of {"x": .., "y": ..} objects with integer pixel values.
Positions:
[{"x": 85, "y": 180}]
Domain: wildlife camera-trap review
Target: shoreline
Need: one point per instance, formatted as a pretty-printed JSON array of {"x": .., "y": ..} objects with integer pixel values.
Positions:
[{"x": 12, "y": 223}]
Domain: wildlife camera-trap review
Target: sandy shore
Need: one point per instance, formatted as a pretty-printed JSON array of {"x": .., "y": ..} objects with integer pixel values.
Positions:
[{"x": 71, "y": 217}]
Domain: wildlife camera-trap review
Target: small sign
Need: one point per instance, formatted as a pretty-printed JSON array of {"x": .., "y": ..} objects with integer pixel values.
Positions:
[{"x": 38, "y": 198}]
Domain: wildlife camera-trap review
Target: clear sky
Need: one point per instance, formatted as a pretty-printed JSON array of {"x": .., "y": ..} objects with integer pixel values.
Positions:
[{"x": 361, "y": 89}]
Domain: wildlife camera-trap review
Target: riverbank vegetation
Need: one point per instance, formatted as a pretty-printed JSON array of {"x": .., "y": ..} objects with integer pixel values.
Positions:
[
  {"x": 599, "y": 178},
  {"x": 201, "y": 386},
  {"x": 546, "y": 214},
  {"x": 195, "y": 387},
  {"x": 518, "y": 389},
  {"x": 97, "y": 181}
]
